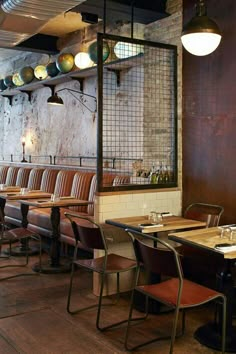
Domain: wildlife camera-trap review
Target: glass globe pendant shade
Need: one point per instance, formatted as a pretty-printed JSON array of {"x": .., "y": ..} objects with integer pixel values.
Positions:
[
  {"x": 17, "y": 80},
  {"x": 201, "y": 44},
  {"x": 83, "y": 61},
  {"x": 125, "y": 50},
  {"x": 40, "y": 72},
  {"x": 201, "y": 36}
]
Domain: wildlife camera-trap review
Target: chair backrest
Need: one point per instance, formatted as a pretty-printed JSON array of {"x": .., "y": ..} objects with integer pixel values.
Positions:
[
  {"x": 11, "y": 176},
  {"x": 161, "y": 259},
  {"x": 3, "y": 174},
  {"x": 209, "y": 213},
  {"x": 23, "y": 177},
  {"x": 35, "y": 178},
  {"x": 87, "y": 232},
  {"x": 48, "y": 180}
]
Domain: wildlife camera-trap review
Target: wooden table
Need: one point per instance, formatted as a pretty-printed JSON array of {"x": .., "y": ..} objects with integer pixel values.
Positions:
[
  {"x": 169, "y": 223},
  {"x": 12, "y": 194},
  {"x": 54, "y": 265},
  {"x": 206, "y": 239}
]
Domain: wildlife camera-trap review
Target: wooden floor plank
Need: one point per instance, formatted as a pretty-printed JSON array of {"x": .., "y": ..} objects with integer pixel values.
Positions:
[{"x": 34, "y": 320}]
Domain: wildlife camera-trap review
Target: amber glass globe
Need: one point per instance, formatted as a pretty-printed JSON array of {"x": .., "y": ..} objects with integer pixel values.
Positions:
[{"x": 65, "y": 62}]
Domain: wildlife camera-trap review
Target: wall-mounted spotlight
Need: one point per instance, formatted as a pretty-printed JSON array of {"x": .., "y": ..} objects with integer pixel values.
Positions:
[{"x": 58, "y": 101}]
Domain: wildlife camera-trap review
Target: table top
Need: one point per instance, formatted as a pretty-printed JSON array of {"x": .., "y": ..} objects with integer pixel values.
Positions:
[
  {"x": 62, "y": 202},
  {"x": 10, "y": 189},
  {"x": 204, "y": 239},
  {"x": 14, "y": 195},
  {"x": 169, "y": 223}
]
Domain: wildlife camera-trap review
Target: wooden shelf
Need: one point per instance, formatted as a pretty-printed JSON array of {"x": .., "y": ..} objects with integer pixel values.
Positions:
[{"x": 117, "y": 65}]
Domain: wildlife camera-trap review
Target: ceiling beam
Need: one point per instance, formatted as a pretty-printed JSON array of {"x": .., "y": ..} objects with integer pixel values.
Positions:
[
  {"x": 39, "y": 43},
  {"x": 119, "y": 12}
]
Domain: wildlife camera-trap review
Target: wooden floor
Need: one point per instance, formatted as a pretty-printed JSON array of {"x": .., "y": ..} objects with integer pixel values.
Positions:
[{"x": 34, "y": 320}]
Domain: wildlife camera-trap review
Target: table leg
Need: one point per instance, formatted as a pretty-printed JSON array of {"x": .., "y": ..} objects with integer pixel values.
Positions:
[
  {"x": 54, "y": 265},
  {"x": 210, "y": 334}
]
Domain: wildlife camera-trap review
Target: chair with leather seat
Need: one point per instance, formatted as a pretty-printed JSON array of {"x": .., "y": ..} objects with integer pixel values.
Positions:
[
  {"x": 11, "y": 236},
  {"x": 196, "y": 263},
  {"x": 210, "y": 213},
  {"x": 90, "y": 235},
  {"x": 175, "y": 291}
]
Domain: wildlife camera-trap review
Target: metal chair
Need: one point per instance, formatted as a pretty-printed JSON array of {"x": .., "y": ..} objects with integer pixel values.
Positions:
[
  {"x": 196, "y": 263},
  {"x": 8, "y": 237},
  {"x": 90, "y": 235},
  {"x": 175, "y": 292},
  {"x": 209, "y": 213}
]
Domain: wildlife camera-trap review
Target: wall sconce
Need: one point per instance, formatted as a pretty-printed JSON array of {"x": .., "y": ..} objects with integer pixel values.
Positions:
[
  {"x": 201, "y": 36},
  {"x": 58, "y": 101},
  {"x": 23, "y": 149}
]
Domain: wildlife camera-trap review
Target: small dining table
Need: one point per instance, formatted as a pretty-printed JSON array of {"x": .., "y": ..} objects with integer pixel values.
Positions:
[
  {"x": 54, "y": 265},
  {"x": 208, "y": 241},
  {"x": 13, "y": 194},
  {"x": 169, "y": 223}
]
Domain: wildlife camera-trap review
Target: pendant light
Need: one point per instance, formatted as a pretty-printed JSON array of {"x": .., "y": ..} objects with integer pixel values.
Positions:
[{"x": 201, "y": 36}]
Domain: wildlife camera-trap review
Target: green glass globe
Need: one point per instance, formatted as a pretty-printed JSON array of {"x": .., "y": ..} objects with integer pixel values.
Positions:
[
  {"x": 65, "y": 62},
  {"x": 17, "y": 80},
  {"x": 26, "y": 74},
  {"x": 92, "y": 51},
  {"x": 52, "y": 69},
  {"x": 2, "y": 85},
  {"x": 8, "y": 81}
]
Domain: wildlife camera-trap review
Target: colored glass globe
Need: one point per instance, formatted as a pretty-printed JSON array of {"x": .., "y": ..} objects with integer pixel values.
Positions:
[
  {"x": 26, "y": 74},
  {"x": 40, "y": 72},
  {"x": 52, "y": 69},
  {"x": 65, "y": 62},
  {"x": 2, "y": 85},
  {"x": 17, "y": 80},
  {"x": 82, "y": 60},
  {"x": 125, "y": 50},
  {"x": 93, "y": 51},
  {"x": 8, "y": 81}
]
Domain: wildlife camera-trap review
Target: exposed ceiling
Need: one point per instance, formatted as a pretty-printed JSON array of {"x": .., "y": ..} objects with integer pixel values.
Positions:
[{"x": 35, "y": 25}]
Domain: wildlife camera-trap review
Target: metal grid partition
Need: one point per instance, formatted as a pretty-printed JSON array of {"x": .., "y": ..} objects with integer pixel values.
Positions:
[{"x": 137, "y": 113}]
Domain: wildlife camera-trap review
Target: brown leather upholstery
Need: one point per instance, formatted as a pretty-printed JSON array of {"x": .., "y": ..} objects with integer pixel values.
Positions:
[
  {"x": 40, "y": 218},
  {"x": 3, "y": 174},
  {"x": 11, "y": 176},
  {"x": 49, "y": 180},
  {"x": 35, "y": 178},
  {"x": 23, "y": 177},
  {"x": 81, "y": 188}
]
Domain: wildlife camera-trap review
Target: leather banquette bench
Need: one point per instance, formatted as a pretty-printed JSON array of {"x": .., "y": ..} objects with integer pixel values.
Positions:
[{"x": 81, "y": 184}]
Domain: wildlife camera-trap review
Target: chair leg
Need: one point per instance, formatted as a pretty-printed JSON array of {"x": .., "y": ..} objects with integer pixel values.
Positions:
[
  {"x": 174, "y": 329},
  {"x": 224, "y": 301}
]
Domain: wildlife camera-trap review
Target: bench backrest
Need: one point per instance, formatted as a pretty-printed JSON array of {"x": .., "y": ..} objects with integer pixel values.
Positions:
[
  {"x": 48, "y": 180},
  {"x": 35, "y": 178},
  {"x": 3, "y": 174},
  {"x": 12, "y": 175}
]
